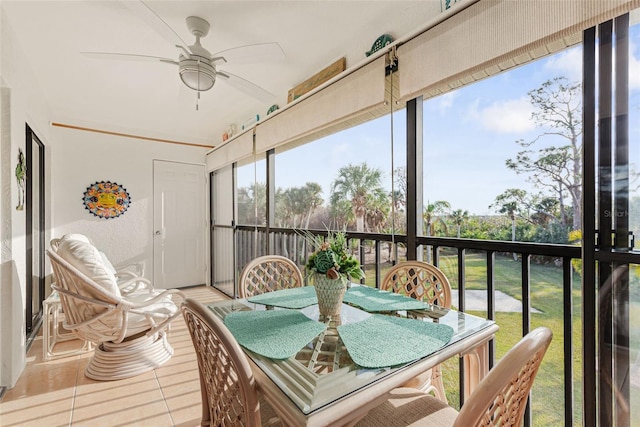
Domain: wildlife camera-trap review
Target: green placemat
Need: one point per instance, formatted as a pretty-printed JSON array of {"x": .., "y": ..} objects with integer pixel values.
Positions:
[
  {"x": 277, "y": 334},
  {"x": 381, "y": 341},
  {"x": 287, "y": 298},
  {"x": 372, "y": 300}
]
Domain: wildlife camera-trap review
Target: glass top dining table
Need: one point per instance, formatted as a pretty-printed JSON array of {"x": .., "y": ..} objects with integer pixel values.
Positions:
[{"x": 324, "y": 386}]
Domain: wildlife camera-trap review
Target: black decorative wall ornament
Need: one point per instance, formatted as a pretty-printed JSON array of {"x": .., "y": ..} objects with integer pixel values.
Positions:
[{"x": 106, "y": 199}]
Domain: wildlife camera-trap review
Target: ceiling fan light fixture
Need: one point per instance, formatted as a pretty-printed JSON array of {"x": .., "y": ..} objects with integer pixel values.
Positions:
[{"x": 197, "y": 74}]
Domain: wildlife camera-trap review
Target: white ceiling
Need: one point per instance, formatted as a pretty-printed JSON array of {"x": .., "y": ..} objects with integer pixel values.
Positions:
[{"x": 148, "y": 98}]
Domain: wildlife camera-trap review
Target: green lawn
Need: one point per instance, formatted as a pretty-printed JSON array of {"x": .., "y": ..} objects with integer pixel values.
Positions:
[{"x": 546, "y": 296}]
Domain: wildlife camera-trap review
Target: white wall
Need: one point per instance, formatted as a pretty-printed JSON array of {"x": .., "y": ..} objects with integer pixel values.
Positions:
[
  {"x": 81, "y": 158},
  {"x": 21, "y": 102}
]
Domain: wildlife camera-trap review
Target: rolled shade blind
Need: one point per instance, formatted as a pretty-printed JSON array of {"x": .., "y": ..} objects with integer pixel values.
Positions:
[
  {"x": 236, "y": 149},
  {"x": 350, "y": 97},
  {"x": 493, "y": 35}
]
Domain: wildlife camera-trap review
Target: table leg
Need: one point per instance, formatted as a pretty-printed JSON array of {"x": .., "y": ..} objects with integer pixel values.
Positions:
[{"x": 476, "y": 367}]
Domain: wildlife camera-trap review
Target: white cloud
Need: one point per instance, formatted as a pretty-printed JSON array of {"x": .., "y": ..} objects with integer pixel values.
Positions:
[
  {"x": 446, "y": 101},
  {"x": 510, "y": 116},
  {"x": 567, "y": 64},
  {"x": 473, "y": 110}
]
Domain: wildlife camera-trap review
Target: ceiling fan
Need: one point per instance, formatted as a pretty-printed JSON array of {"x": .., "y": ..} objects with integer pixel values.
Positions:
[{"x": 197, "y": 67}]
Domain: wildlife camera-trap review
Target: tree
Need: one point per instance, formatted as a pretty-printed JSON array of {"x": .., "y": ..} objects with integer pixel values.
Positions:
[
  {"x": 512, "y": 202},
  {"x": 292, "y": 203},
  {"x": 546, "y": 210},
  {"x": 341, "y": 214},
  {"x": 377, "y": 212},
  {"x": 252, "y": 204},
  {"x": 296, "y": 205},
  {"x": 433, "y": 214},
  {"x": 558, "y": 111},
  {"x": 459, "y": 217},
  {"x": 311, "y": 199},
  {"x": 356, "y": 183},
  {"x": 399, "y": 194}
]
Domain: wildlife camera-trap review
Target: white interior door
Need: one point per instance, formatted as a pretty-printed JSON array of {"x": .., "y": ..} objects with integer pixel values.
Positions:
[{"x": 179, "y": 193}]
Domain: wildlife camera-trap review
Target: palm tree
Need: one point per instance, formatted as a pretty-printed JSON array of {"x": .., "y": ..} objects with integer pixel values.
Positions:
[
  {"x": 378, "y": 210},
  {"x": 459, "y": 217},
  {"x": 511, "y": 203},
  {"x": 252, "y": 201},
  {"x": 356, "y": 183},
  {"x": 433, "y": 214},
  {"x": 341, "y": 214},
  {"x": 299, "y": 205},
  {"x": 311, "y": 199}
]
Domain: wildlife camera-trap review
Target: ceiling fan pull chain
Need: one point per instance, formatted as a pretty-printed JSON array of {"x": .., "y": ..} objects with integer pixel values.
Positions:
[{"x": 198, "y": 98}]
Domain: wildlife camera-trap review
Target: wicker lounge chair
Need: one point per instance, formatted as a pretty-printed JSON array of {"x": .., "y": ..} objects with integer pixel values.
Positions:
[{"x": 129, "y": 330}]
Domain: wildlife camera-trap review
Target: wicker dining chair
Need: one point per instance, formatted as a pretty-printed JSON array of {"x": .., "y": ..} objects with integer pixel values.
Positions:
[
  {"x": 227, "y": 386},
  {"x": 424, "y": 282},
  {"x": 269, "y": 273},
  {"x": 499, "y": 400},
  {"x": 419, "y": 280}
]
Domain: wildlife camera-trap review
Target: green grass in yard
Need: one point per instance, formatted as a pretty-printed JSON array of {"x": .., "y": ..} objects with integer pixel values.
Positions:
[{"x": 546, "y": 295}]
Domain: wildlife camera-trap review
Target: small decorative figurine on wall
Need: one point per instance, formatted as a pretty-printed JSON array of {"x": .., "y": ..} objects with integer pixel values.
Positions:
[
  {"x": 231, "y": 130},
  {"x": 21, "y": 178},
  {"x": 106, "y": 199}
]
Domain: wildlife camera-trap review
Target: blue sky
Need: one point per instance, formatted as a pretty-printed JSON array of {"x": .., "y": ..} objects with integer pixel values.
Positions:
[{"x": 468, "y": 135}]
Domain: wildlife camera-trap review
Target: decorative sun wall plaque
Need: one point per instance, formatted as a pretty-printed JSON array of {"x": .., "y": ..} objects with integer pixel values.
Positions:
[{"x": 106, "y": 199}]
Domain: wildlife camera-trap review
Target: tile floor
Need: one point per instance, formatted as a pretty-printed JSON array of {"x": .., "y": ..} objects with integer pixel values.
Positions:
[{"x": 56, "y": 393}]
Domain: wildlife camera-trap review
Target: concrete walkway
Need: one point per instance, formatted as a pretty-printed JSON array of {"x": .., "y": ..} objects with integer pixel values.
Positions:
[{"x": 477, "y": 301}]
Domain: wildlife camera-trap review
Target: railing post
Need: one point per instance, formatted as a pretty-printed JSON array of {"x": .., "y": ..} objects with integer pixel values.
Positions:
[
  {"x": 414, "y": 175},
  {"x": 461, "y": 307},
  {"x": 526, "y": 318},
  {"x": 361, "y": 249},
  {"x": 491, "y": 307},
  {"x": 567, "y": 298},
  {"x": 377, "y": 262},
  {"x": 271, "y": 201}
]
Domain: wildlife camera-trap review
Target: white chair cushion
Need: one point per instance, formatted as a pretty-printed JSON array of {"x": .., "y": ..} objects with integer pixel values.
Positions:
[
  {"x": 75, "y": 236},
  {"x": 108, "y": 264},
  {"x": 159, "y": 311},
  {"x": 86, "y": 258}
]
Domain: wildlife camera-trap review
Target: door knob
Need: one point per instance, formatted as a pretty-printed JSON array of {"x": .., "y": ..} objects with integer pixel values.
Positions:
[{"x": 158, "y": 233}]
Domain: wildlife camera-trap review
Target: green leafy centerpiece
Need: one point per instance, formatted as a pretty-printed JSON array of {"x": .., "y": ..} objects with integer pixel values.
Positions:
[{"x": 331, "y": 267}]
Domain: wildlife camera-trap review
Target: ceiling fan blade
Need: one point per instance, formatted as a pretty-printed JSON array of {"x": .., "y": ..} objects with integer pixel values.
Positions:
[
  {"x": 247, "y": 87},
  {"x": 128, "y": 57},
  {"x": 148, "y": 15},
  {"x": 252, "y": 53}
]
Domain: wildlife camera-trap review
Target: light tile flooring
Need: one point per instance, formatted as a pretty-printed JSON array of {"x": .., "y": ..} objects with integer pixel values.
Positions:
[{"x": 56, "y": 393}]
